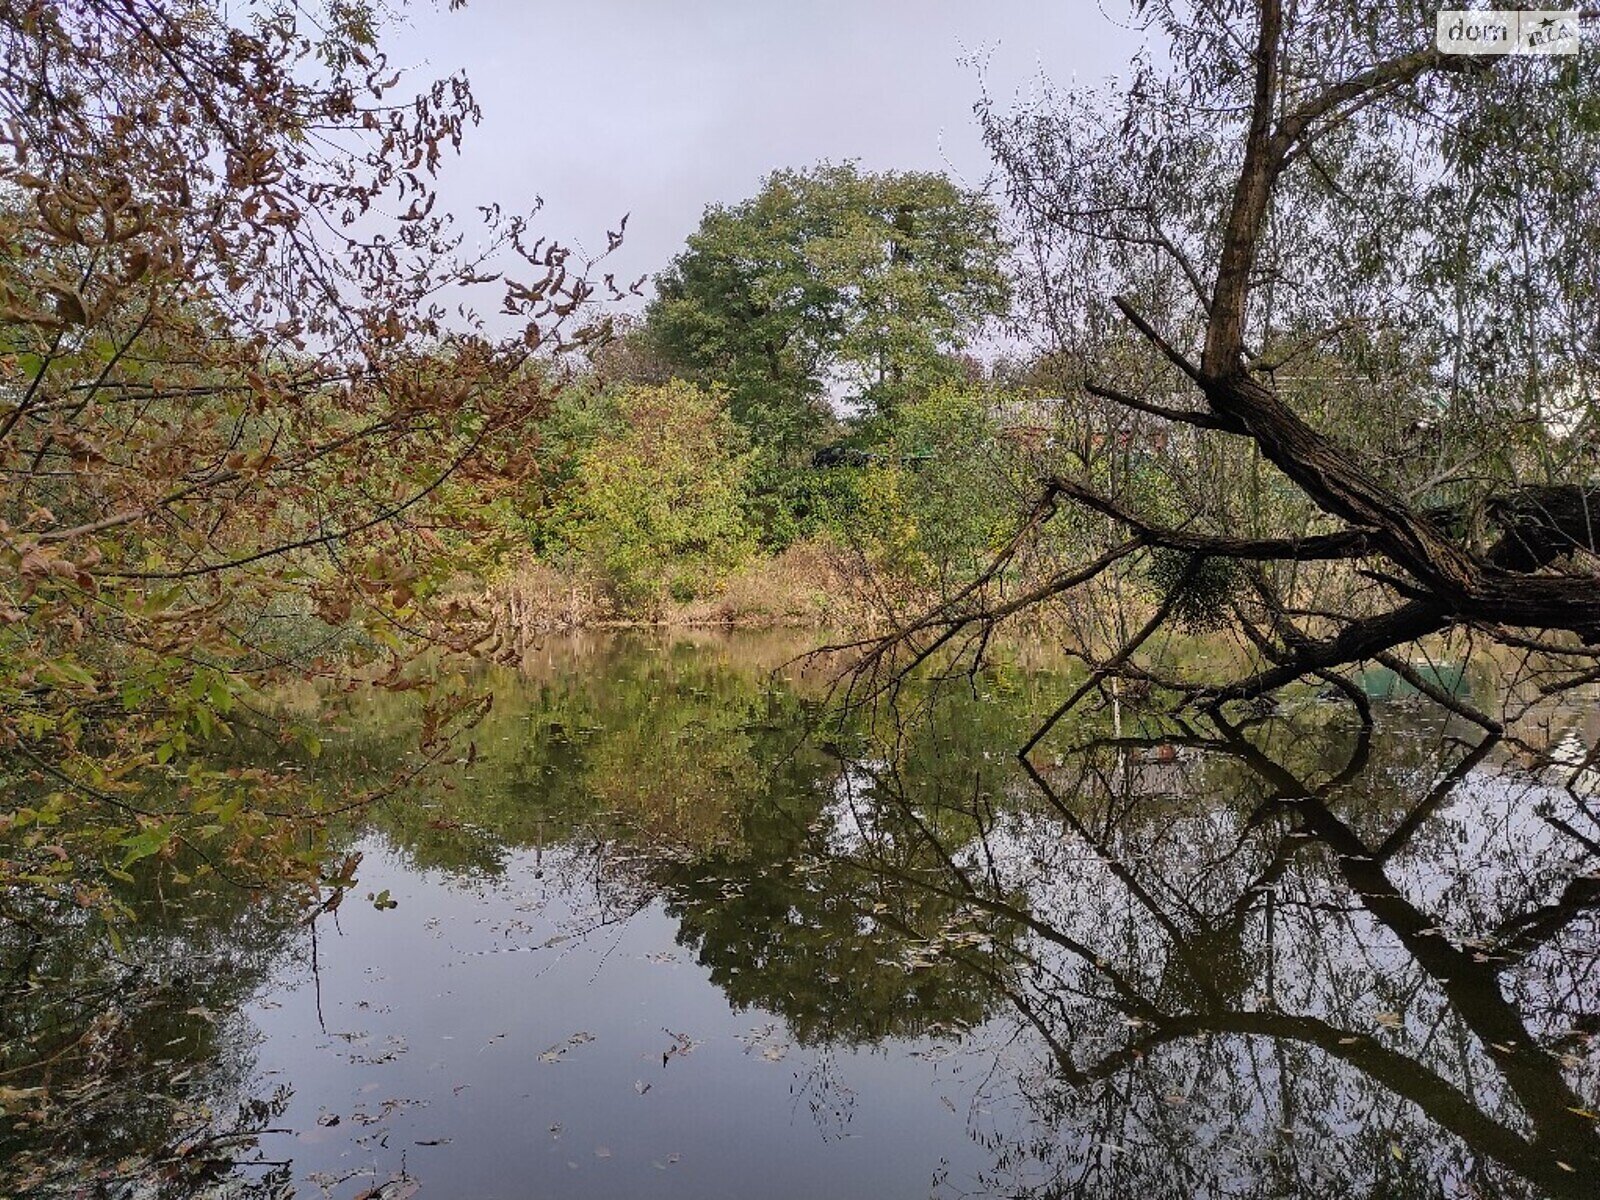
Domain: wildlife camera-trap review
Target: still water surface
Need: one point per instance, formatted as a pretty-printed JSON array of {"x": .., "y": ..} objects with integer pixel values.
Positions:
[{"x": 668, "y": 938}]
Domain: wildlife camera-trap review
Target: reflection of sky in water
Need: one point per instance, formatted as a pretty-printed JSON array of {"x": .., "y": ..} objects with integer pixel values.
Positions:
[
  {"x": 455, "y": 1017},
  {"x": 654, "y": 948}
]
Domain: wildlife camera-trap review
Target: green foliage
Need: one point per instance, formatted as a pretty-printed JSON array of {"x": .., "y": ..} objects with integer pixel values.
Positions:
[
  {"x": 1200, "y": 587},
  {"x": 829, "y": 275},
  {"x": 657, "y": 507},
  {"x": 942, "y": 493}
]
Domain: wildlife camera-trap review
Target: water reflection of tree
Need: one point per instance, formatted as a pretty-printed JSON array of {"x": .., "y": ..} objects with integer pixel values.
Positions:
[
  {"x": 687, "y": 776},
  {"x": 1379, "y": 943},
  {"x": 127, "y": 1058},
  {"x": 838, "y": 953},
  {"x": 823, "y": 905},
  {"x": 1255, "y": 968},
  {"x": 1275, "y": 960},
  {"x": 656, "y": 744}
]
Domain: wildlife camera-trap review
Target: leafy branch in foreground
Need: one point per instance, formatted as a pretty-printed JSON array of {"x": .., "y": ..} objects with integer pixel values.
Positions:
[{"x": 248, "y": 414}]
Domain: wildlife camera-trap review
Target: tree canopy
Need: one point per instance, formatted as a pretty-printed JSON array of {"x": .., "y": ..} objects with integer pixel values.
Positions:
[{"x": 830, "y": 278}]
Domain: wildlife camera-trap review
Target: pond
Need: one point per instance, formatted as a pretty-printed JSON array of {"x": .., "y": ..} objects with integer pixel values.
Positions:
[{"x": 675, "y": 931}]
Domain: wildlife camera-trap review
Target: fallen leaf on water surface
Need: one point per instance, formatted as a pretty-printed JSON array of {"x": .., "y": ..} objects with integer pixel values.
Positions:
[
  {"x": 327, "y": 1119},
  {"x": 556, "y": 1052},
  {"x": 682, "y": 1045},
  {"x": 402, "y": 1188},
  {"x": 433, "y": 1141},
  {"x": 394, "y": 1103},
  {"x": 640, "y": 1086},
  {"x": 1395, "y": 1150}
]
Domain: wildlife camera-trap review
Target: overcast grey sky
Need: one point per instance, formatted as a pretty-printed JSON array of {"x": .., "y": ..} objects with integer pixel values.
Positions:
[{"x": 659, "y": 107}]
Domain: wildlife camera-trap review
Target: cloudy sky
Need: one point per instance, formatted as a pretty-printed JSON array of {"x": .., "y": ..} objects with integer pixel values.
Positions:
[{"x": 658, "y": 107}]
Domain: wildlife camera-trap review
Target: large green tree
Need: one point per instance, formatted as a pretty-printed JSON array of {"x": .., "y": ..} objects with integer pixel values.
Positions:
[{"x": 830, "y": 281}]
